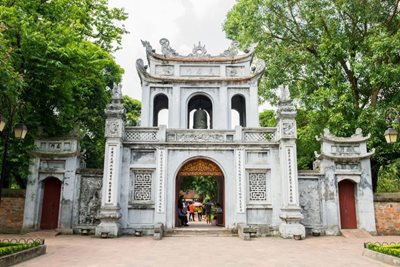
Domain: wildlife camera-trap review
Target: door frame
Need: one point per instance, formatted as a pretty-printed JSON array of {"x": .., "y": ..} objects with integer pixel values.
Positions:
[
  {"x": 42, "y": 187},
  {"x": 353, "y": 204}
]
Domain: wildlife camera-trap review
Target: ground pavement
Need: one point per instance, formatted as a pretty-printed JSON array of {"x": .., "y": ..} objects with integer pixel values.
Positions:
[{"x": 77, "y": 250}]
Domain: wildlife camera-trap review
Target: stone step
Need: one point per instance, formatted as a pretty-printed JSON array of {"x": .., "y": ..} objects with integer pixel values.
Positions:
[
  {"x": 199, "y": 232},
  {"x": 355, "y": 233}
]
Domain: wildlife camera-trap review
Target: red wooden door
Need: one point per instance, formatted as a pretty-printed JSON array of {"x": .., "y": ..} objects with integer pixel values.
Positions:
[
  {"x": 51, "y": 204},
  {"x": 347, "y": 204}
]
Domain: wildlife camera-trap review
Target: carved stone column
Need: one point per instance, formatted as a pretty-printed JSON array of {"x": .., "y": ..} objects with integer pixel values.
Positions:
[
  {"x": 109, "y": 211},
  {"x": 290, "y": 210}
]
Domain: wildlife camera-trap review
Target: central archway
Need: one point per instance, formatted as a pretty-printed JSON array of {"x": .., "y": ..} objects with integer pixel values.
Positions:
[{"x": 202, "y": 167}]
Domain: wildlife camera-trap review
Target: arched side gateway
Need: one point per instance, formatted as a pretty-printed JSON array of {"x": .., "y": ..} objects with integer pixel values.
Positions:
[{"x": 207, "y": 168}]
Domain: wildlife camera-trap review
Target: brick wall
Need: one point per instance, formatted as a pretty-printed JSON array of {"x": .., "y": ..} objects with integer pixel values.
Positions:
[
  {"x": 387, "y": 213},
  {"x": 12, "y": 211}
]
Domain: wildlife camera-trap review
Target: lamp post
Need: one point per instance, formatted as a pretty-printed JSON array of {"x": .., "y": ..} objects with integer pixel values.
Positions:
[
  {"x": 391, "y": 116},
  {"x": 20, "y": 131}
]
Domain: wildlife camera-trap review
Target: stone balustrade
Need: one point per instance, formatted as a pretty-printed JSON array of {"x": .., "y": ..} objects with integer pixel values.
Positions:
[{"x": 161, "y": 134}]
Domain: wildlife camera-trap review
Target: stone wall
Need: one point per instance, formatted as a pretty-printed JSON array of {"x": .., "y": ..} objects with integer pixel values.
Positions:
[
  {"x": 12, "y": 211},
  {"x": 387, "y": 213}
]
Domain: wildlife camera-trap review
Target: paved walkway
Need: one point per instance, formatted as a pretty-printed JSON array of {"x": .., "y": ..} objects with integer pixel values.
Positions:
[{"x": 76, "y": 250}]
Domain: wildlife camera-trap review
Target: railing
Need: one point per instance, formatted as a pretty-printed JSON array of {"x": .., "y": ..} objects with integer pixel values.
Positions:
[
  {"x": 259, "y": 135},
  {"x": 155, "y": 134},
  {"x": 204, "y": 136},
  {"x": 138, "y": 134}
]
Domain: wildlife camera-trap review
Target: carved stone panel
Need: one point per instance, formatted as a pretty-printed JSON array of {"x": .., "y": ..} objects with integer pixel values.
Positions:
[
  {"x": 164, "y": 70},
  {"x": 143, "y": 157},
  {"x": 113, "y": 128},
  {"x": 89, "y": 200},
  {"x": 310, "y": 202},
  {"x": 200, "y": 71},
  {"x": 234, "y": 71},
  {"x": 257, "y": 157}
]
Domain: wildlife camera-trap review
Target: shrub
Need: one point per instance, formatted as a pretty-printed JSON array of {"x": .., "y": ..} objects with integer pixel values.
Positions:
[
  {"x": 392, "y": 250},
  {"x": 7, "y": 248}
]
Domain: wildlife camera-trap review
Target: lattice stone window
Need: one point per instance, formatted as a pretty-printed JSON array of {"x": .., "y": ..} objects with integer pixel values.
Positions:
[
  {"x": 257, "y": 187},
  {"x": 140, "y": 186}
]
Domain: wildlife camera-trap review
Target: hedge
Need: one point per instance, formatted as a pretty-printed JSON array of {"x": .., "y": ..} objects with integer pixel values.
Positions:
[
  {"x": 392, "y": 250},
  {"x": 7, "y": 248}
]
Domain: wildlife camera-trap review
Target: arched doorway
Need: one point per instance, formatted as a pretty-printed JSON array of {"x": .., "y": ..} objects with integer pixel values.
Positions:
[
  {"x": 51, "y": 203},
  {"x": 204, "y": 169},
  {"x": 348, "y": 219}
]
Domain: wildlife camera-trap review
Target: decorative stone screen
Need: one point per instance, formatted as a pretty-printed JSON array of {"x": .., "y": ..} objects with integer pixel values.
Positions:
[
  {"x": 140, "y": 186},
  {"x": 257, "y": 187}
]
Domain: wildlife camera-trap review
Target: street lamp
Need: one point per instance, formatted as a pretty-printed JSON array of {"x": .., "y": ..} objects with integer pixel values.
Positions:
[
  {"x": 20, "y": 131},
  {"x": 391, "y": 116}
]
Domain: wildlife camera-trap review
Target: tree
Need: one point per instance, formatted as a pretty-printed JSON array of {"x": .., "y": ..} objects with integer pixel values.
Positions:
[
  {"x": 132, "y": 110},
  {"x": 59, "y": 51},
  {"x": 339, "y": 58}
]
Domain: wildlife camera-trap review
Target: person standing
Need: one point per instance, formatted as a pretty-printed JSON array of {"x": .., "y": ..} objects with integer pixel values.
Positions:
[
  {"x": 191, "y": 212},
  {"x": 207, "y": 209},
  {"x": 200, "y": 213}
]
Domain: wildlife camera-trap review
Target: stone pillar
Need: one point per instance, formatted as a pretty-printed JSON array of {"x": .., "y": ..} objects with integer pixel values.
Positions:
[
  {"x": 109, "y": 211},
  {"x": 290, "y": 210}
]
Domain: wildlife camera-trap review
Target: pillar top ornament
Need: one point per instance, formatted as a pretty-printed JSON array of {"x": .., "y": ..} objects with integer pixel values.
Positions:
[
  {"x": 115, "y": 108},
  {"x": 286, "y": 109}
]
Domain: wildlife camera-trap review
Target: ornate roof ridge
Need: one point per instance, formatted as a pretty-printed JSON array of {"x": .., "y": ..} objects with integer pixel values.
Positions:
[
  {"x": 199, "y": 53},
  {"x": 355, "y": 138},
  {"x": 143, "y": 74}
]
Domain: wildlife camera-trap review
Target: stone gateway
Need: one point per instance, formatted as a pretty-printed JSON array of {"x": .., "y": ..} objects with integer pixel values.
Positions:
[{"x": 211, "y": 109}]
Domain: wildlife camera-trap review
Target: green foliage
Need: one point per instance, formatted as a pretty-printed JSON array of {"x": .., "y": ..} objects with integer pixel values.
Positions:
[
  {"x": 7, "y": 248},
  {"x": 205, "y": 186},
  {"x": 392, "y": 250},
  {"x": 132, "y": 110},
  {"x": 267, "y": 118},
  {"x": 55, "y": 68},
  {"x": 389, "y": 177},
  {"x": 339, "y": 58}
]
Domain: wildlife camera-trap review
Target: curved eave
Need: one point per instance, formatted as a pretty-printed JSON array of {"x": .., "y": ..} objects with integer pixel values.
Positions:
[
  {"x": 209, "y": 59},
  {"x": 345, "y": 158},
  {"x": 167, "y": 79},
  {"x": 346, "y": 140}
]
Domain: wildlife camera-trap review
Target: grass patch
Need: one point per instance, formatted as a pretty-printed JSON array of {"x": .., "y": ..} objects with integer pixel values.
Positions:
[
  {"x": 7, "y": 248},
  {"x": 392, "y": 250}
]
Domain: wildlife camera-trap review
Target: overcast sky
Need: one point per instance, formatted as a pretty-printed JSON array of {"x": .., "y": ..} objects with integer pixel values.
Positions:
[{"x": 183, "y": 22}]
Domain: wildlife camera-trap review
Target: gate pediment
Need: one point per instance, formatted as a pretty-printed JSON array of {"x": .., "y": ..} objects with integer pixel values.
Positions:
[{"x": 200, "y": 167}]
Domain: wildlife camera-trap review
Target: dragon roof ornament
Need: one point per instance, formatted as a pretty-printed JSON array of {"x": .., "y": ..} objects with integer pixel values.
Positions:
[{"x": 198, "y": 51}]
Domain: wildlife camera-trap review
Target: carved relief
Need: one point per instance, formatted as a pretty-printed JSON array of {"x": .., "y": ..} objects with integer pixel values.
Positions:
[
  {"x": 200, "y": 167},
  {"x": 199, "y": 51},
  {"x": 239, "y": 182},
  {"x": 89, "y": 200},
  {"x": 232, "y": 51},
  {"x": 110, "y": 173},
  {"x": 291, "y": 175},
  {"x": 199, "y": 137},
  {"x": 113, "y": 128},
  {"x": 310, "y": 202},
  {"x": 166, "y": 49},
  {"x": 348, "y": 166},
  {"x": 234, "y": 71},
  {"x": 200, "y": 71},
  {"x": 164, "y": 70},
  {"x": 161, "y": 180},
  {"x": 288, "y": 129}
]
